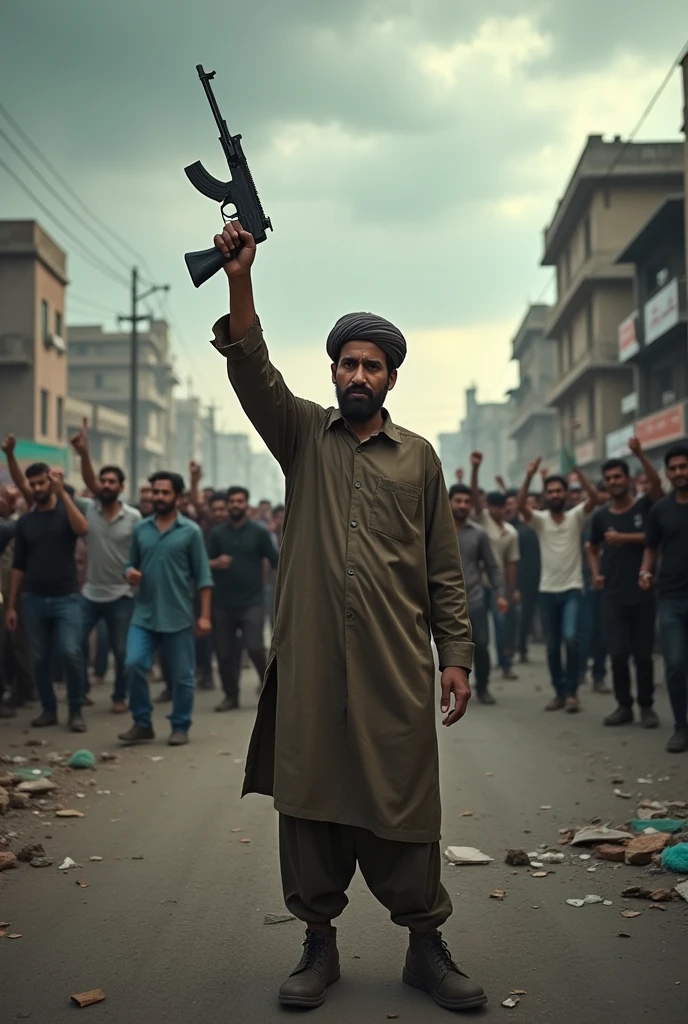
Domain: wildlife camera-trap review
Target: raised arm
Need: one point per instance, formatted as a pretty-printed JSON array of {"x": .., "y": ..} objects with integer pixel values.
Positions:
[
  {"x": 653, "y": 541},
  {"x": 281, "y": 419},
  {"x": 195, "y": 476},
  {"x": 526, "y": 514},
  {"x": 18, "y": 478},
  {"x": 476, "y": 460},
  {"x": 79, "y": 443},
  {"x": 589, "y": 488},
  {"x": 654, "y": 489},
  {"x": 75, "y": 517}
]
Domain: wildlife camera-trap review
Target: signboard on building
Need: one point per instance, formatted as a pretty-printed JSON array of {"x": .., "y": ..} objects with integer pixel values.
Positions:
[
  {"x": 661, "y": 312},
  {"x": 616, "y": 443},
  {"x": 662, "y": 427},
  {"x": 585, "y": 453},
  {"x": 628, "y": 337},
  {"x": 629, "y": 403}
]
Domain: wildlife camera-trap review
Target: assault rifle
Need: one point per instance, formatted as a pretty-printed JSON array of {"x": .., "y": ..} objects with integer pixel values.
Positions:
[{"x": 239, "y": 192}]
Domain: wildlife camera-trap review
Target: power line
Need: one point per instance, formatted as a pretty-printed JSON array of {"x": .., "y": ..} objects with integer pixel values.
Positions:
[
  {"x": 91, "y": 257},
  {"x": 65, "y": 184},
  {"x": 89, "y": 302}
]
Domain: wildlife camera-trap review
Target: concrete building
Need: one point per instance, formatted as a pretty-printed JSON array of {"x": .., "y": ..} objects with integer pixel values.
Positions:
[
  {"x": 108, "y": 435},
  {"x": 266, "y": 480},
  {"x": 186, "y": 444},
  {"x": 230, "y": 453},
  {"x": 486, "y": 427},
  {"x": 653, "y": 340},
  {"x": 99, "y": 372},
  {"x": 614, "y": 188},
  {"x": 33, "y": 358},
  {"x": 533, "y": 422}
]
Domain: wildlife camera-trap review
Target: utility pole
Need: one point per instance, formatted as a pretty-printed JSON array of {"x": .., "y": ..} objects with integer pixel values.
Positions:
[
  {"x": 134, "y": 319},
  {"x": 213, "y": 444}
]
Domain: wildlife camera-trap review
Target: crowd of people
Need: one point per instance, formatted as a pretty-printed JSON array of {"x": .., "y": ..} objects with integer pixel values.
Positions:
[
  {"x": 183, "y": 574},
  {"x": 600, "y": 566}
]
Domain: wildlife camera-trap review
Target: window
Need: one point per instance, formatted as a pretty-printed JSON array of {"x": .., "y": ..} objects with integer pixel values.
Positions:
[
  {"x": 60, "y": 417},
  {"x": 44, "y": 412},
  {"x": 587, "y": 237},
  {"x": 45, "y": 325},
  {"x": 98, "y": 380},
  {"x": 589, "y": 325},
  {"x": 58, "y": 323}
]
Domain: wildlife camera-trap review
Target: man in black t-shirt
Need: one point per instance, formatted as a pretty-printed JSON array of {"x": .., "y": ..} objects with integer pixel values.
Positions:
[
  {"x": 45, "y": 565},
  {"x": 617, "y": 537},
  {"x": 667, "y": 528}
]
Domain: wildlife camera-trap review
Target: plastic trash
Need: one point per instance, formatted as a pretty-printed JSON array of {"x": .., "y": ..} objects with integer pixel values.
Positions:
[{"x": 675, "y": 858}]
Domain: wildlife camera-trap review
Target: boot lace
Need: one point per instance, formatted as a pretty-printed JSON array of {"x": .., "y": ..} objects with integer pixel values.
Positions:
[
  {"x": 439, "y": 954},
  {"x": 315, "y": 949}
]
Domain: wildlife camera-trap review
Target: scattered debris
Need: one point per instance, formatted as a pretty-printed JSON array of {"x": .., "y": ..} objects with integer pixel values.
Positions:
[
  {"x": 631, "y": 913},
  {"x": 67, "y": 863},
  {"x": 642, "y": 849},
  {"x": 278, "y": 918},
  {"x": 36, "y": 786},
  {"x": 657, "y": 896},
  {"x": 14, "y": 935},
  {"x": 237, "y": 830},
  {"x": 95, "y": 858},
  {"x": 585, "y": 901},
  {"x": 466, "y": 814},
  {"x": 82, "y": 759},
  {"x": 682, "y": 889},
  {"x": 617, "y": 780},
  {"x": 509, "y": 1002},
  {"x": 4, "y": 800},
  {"x": 670, "y": 825},
  {"x": 466, "y": 855},
  {"x": 675, "y": 858},
  {"x": 624, "y": 935},
  {"x": 7, "y": 860},
  {"x": 611, "y": 851},
  {"x": 598, "y": 834},
  {"x": 392, "y": 1016},
  {"x": 624, "y": 796},
  {"x": 96, "y": 995},
  {"x": 644, "y": 782},
  {"x": 244, "y": 840},
  {"x": 545, "y": 807},
  {"x": 158, "y": 757},
  {"x": 539, "y": 874},
  {"x": 552, "y": 858},
  {"x": 69, "y": 812},
  {"x": 497, "y": 894},
  {"x": 584, "y": 856},
  {"x": 107, "y": 756},
  {"x": 517, "y": 858},
  {"x": 82, "y": 885},
  {"x": 27, "y": 853},
  {"x": 41, "y": 862},
  {"x": 19, "y": 801}
]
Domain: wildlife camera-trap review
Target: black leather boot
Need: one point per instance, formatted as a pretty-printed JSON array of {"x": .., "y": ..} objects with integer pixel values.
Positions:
[
  {"x": 307, "y": 985},
  {"x": 429, "y": 966}
]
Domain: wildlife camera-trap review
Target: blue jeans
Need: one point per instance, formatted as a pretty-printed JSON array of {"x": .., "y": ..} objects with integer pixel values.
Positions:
[
  {"x": 591, "y": 638},
  {"x": 500, "y": 629},
  {"x": 673, "y": 632},
  {"x": 177, "y": 650},
  {"x": 100, "y": 658},
  {"x": 58, "y": 619},
  {"x": 560, "y": 617},
  {"x": 116, "y": 616}
]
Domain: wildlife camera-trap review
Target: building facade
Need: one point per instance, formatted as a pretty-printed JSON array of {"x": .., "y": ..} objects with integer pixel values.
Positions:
[
  {"x": 533, "y": 421},
  {"x": 108, "y": 437},
  {"x": 99, "y": 373},
  {"x": 613, "y": 190},
  {"x": 186, "y": 443},
  {"x": 33, "y": 358},
  {"x": 486, "y": 427}
]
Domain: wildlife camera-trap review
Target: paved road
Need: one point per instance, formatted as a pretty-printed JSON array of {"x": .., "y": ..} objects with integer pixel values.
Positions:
[{"x": 179, "y": 935}]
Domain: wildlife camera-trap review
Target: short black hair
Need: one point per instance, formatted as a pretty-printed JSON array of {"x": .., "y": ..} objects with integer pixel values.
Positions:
[
  {"x": 176, "y": 479},
  {"x": 119, "y": 473},
  {"x": 265, "y": 501},
  {"x": 238, "y": 490},
  {"x": 36, "y": 469},
  {"x": 616, "y": 464},
  {"x": 459, "y": 489},
  {"x": 512, "y": 492},
  {"x": 217, "y": 496},
  {"x": 556, "y": 479},
  {"x": 278, "y": 508},
  {"x": 676, "y": 451},
  {"x": 497, "y": 499}
]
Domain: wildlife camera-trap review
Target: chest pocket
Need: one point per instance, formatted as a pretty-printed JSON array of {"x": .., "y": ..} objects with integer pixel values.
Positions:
[{"x": 394, "y": 510}]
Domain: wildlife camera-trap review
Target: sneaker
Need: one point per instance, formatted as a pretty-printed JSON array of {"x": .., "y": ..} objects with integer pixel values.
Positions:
[
  {"x": 678, "y": 743},
  {"x": 318, "y": 968},
  {"x": 119, "y": 707},
  {"x": 599, "y": 686},
  {"x": 572, "y": 705},
  {"x": 76, "y": 722},
  {"x": 622, "y": 716},
  {"x": 137, "y": 734},
  {"x": 178, "y": 738},
  {"x": 165, "y": 697},
  {"x": 649, "y": 718},
  {"x": 485, "y": 697},
  {"x": 228, "y": 704},
  {"x": 556, "y": 704},
  {"x": 88, "y": 702},
  {"x": 45, "y": 718},
  {"x": 429, "y": 966},
  {"x": 508, "y": 673}
]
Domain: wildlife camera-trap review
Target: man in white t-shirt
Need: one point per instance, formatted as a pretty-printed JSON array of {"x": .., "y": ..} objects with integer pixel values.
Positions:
[{"x": 561, "y": 580}]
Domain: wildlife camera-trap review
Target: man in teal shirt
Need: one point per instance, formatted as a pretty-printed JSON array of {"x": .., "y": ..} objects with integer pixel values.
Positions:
[{"x": 168, "y": 562}]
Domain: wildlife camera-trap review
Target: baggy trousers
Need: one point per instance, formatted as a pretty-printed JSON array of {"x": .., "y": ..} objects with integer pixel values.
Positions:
[{"x": 318, "y": 860}]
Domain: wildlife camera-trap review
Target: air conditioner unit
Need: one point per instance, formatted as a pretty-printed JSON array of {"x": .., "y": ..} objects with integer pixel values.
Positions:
[
  {"x": 56, "y": 342},
  {"x": 668, "y": 398}
]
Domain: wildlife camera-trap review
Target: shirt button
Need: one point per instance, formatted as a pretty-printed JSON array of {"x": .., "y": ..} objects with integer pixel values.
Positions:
[
  {"x": 351, "y": 572},
  {"x": 359, "y": 450},
  {"x": 357, "y": 485},
  {"x": 349, "y": 615},
  {"x": 354, "y": 524}
]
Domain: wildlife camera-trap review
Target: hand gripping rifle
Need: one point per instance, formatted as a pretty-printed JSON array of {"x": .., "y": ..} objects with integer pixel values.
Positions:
[{"x": 239, "y": 192}]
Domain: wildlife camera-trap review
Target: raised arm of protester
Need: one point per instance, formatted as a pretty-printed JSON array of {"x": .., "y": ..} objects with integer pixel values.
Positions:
[
  {"x": 654, "y": 482},
  {"x": 524, "y": 510},
  {"x": 476, "y": 499},
  {"x": 75, "y": 517},
  {"x": 79, "y": 443},
  {"x": 18, "y": 478},
  {"x": 593, "y": 494},
  {"x": 195, "y": 476}
]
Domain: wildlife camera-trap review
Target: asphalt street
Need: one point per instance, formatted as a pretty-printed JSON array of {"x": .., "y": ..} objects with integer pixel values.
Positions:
[{"x": 171, "y": 927}]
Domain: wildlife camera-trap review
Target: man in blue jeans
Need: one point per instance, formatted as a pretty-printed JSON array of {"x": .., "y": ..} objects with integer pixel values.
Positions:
[
  {"x": 561, "y": 583},
  {"x": 45, "y": 567},
  {"x": 106, "y": 595},
  {"x": 168, "y": 563},
  {"x": 667, "y": 529}
]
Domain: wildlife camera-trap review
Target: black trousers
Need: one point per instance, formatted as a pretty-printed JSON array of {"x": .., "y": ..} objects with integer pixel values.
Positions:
[
  {"x": 234, "y": 629},
  {"x": 481, "y": 638},
  {"x": 630, "y": 630},
  {"x": 529, "y": 600}
]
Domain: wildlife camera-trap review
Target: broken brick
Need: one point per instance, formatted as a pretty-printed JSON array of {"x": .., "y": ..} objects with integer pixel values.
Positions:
[
  {"x": 611, "y": 851},
  {"x": 642, "y": 849}
]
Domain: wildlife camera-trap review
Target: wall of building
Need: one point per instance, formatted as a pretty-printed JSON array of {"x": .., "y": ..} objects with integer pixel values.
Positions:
[{"x": 50, "y": 365}]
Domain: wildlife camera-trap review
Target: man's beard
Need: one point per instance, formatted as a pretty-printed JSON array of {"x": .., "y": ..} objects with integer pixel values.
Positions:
[
  {"x": 237, "y": 514},
  {"x": 163, "y": 508},
  {"x": 108, "y": 497},
  {"x": 41, "y": 497},
  {"x": 556, "y": 504},
  {"x": 359, "y": 410}
]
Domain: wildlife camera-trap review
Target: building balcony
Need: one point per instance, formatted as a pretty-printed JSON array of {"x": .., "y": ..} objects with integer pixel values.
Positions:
[
  {"x": 602, "y": 355},
  {"x": 16, "y": 350},
  {"x": 526, "y": 409},
  {"x": 599, "y": 268}
]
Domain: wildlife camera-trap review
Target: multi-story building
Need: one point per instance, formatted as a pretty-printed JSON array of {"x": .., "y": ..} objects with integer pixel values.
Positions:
[
  {"x": 266, "y": 480},
  {"x": 653, "y": 340},
  {"x": 485, "y": 427},
  {"x": 99, "y": 372},
  {"x": 226, "y": 457},
  {"x": 613, "y": 190},
  {"x": 33, "y": 359},
  {"x": 534, "y": 422},
  {"x": 108, "y": 436},
  {"x": 187, "y": 443}
]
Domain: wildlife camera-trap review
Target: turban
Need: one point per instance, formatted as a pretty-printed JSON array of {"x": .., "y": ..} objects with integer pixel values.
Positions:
[{"x": 367, "y": 327}]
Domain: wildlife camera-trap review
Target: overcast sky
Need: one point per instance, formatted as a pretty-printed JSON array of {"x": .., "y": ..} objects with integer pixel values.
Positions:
[{"x": 409, "y": 153}]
